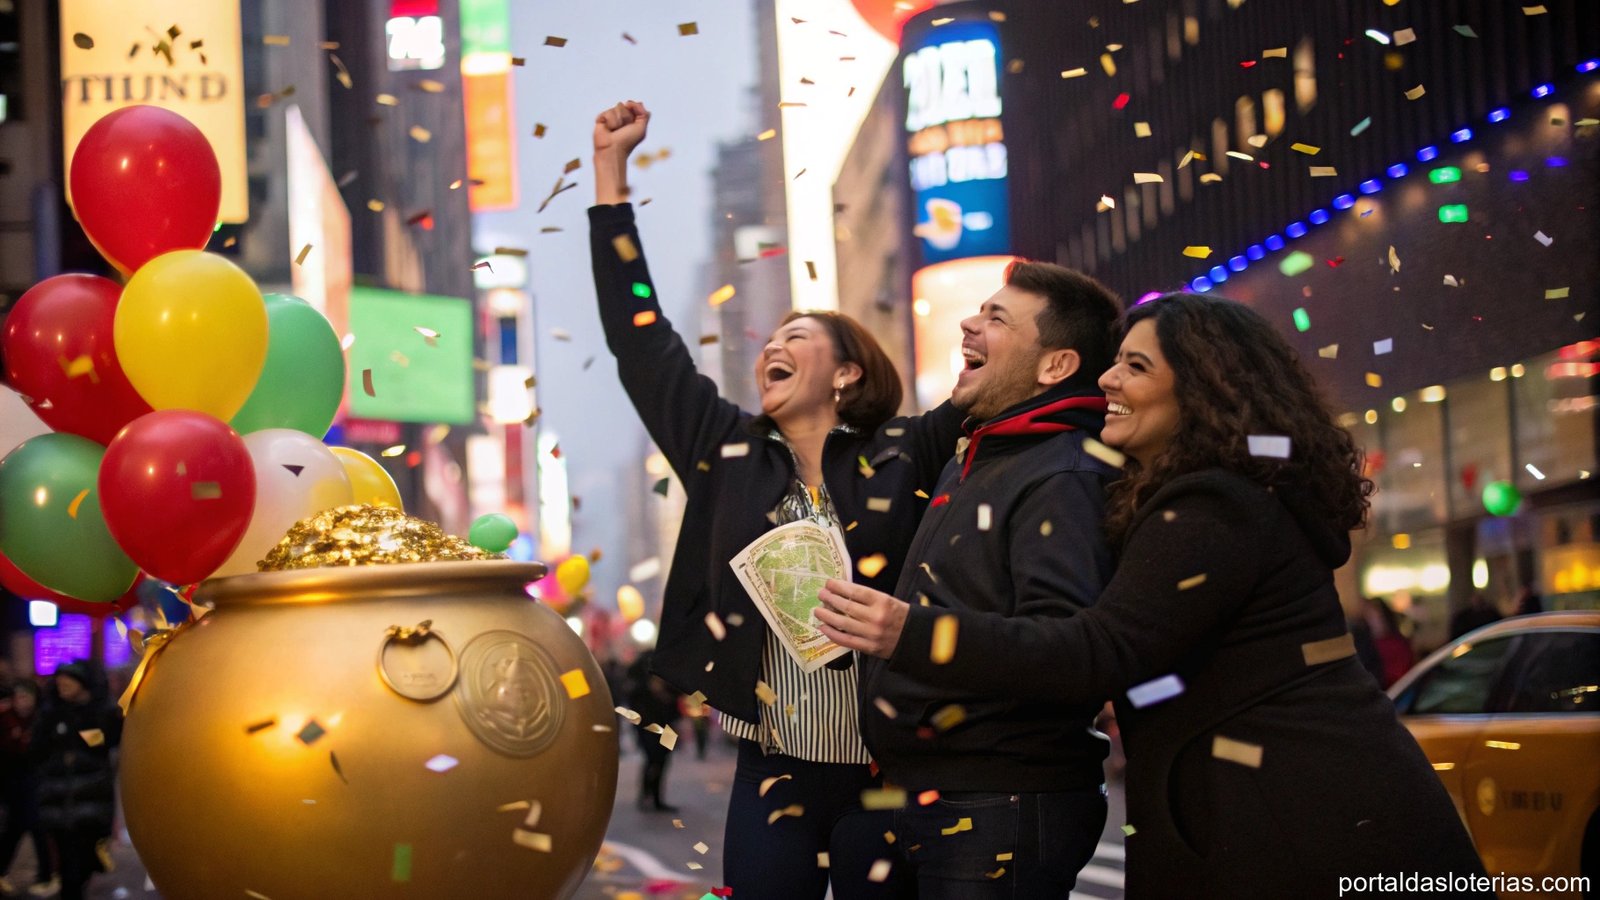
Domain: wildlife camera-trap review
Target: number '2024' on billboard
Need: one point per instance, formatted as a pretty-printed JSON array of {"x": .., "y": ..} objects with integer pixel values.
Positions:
[{"x": 955, "y": 141}]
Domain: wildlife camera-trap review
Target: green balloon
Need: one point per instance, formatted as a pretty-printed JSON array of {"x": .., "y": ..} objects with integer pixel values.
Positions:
[
  {"x": 50, "y": 521},
  {"x": 493, "y": 532},
  {"x": 302, "y": 381},
  {"x": 1501, "y": 498}
]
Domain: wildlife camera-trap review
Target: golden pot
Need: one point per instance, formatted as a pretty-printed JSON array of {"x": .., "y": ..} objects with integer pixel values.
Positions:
[{"x": 306, "y": 740}]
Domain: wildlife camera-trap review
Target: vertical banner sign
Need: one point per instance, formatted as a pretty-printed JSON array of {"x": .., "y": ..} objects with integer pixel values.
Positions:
[
  {"x": 491, "y": 144},
  {"x": 183, "y": 56},
  {"x": 955, "y": 141},
  {"x": 486, "y": 86}
]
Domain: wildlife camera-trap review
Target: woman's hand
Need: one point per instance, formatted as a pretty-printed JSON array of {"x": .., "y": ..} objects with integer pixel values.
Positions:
[
  {"x": 616, "y": 132},
  {"x": 621, "y": 128},
  {"x": 860, "y": 618}
]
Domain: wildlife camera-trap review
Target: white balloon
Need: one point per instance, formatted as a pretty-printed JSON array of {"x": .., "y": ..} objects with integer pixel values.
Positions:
[{"x": 296, "y": 476}]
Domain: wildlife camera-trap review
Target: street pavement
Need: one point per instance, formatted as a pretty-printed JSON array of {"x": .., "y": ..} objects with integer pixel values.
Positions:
[{"x": 646, "y": 856}]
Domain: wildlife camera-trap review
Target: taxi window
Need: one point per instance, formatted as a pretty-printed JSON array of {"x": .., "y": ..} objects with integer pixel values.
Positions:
[
  {"x": 1458, "y": 684},
  {"x": 1552, "y": 672}
]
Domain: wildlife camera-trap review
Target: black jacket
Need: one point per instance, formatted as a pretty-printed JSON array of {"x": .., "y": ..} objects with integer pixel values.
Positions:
[
  {"x": 1278, "y": 765},
  {"x": 1013, "y": 536},
  {"x": 735, "y": 475},
  {"x": 75, "y": 774}
]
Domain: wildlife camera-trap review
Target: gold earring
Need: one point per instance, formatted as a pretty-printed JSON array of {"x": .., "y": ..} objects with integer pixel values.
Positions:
[{"x": 836, "y": 389}]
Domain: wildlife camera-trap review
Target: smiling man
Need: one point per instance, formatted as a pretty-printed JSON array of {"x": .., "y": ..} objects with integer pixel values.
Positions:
[{"x": 1013, "y": 528}]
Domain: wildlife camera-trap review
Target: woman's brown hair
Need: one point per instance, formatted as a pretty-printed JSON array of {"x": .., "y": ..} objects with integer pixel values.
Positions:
[
  {"x": 874, "y": 398},
  {"x": 1235, "y": 376}
]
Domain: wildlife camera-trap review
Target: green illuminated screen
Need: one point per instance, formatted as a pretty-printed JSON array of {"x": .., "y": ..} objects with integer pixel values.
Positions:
[{"x": 416, "y": 377}]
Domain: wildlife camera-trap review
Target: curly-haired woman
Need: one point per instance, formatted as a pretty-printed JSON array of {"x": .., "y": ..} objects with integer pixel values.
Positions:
[{"x": 1263, "y": 761}]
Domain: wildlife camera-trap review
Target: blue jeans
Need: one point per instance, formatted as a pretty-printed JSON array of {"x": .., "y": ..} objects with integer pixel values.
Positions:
[
  {"x": 970, "y": 845},
  {"x": 777, "y": 860}
]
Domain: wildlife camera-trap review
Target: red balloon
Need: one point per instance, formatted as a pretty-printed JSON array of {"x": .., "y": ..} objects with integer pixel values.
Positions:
[
  {"x": 60, "y": 357},
  {"x": 17, "y": 582},
  {"x": 144, "y": 181},
  {"x": 177, "y": 488}
]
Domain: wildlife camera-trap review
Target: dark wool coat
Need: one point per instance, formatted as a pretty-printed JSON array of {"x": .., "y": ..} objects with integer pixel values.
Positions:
[
  {"x": 734, "y": 475},
  {"x": 1278, "y": 765}
]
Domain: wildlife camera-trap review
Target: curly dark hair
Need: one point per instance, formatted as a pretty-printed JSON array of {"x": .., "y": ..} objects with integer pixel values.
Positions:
[{"x": 1235, "y": 376}]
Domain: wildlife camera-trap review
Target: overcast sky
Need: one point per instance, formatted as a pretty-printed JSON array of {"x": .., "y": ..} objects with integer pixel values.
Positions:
[{"x": 698, "y": 89}]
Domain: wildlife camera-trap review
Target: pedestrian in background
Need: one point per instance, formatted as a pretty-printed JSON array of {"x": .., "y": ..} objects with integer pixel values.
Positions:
[
  {"x": 656, "y": 702},
  {"x": 72, "y": 743},
  {"x": 19, "y": 791},
  {"x": 1477, "y": 613}
]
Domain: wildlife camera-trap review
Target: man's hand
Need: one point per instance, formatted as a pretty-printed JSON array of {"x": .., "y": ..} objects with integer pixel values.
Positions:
[
  {"x": 620, "y": 128},
  {"x": 860, "y": 618}
]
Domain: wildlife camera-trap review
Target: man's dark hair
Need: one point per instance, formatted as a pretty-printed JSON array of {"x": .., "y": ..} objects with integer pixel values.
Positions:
[{"x": 1080, "y": 313}]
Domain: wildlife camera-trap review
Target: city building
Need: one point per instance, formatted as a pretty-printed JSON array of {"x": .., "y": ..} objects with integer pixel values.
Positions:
[{"x": 1406, "y": 192}]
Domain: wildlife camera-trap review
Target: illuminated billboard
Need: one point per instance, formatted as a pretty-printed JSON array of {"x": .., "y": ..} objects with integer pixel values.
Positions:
[
  {"x": 194, "y": 68},
  {"x": 411, "y": 359},
  {"x": 955, "y": 141}
]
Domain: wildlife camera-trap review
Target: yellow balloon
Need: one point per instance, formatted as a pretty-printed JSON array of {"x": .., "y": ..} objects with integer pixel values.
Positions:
[
  {"x": 372, "y": 484},
  {"x": 191, "y": 333},
  {"x": 573, "y": 574}
]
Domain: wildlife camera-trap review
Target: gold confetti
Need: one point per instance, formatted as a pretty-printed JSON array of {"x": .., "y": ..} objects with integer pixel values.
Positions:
[
  {"x": 1241, "y": 752},
  {"x": 1197, "y": 252},
  {"x": 629, "y": 714},
  {"x": 553, "y": 41},
  {"x": 1394, "y": 259},
  {"x": 962, "y": 824},
  {"x": 883, "y": 798},
  {"x": 734, "y": 451},
  {"x": 701, "y": 848},
  {"x": 392, "y": 452},
  {"x": 1045, "y": 528},
  {"x": 532, "y": 840},
  {"x": 572, "y": 165},
  {"x": 767, "y": 783},
  {"x": 205, "y": 490},
  {"x": 275, "y": 40},
  {"x": 944, "y": 639},
  {"x": 878, "y": 504},
  {"x": 420, "y": 135},
  {"x": 539, "y": 129},
  {"x": 627, "y": 250},
  {"x": 388, "y": 100},
  {"x": 1416, "y": 92},
  {"x": 765, "y": 693},
  {"x": 431, "y": 86},
  {"x": 883, "y": 706},
  {"x": 1210, "y": 178},
  {"x": 1374, "y": 380},
  {"x": 715, "y": 626},
  {"x": 1075, "y": 73},
  {"x": 300, "y": 258},
  {"x": 1275, "y": 52},
  {"x": 72, "y": 508},
  {"x": 375, "y": 205},
  {"x": 669, "y": 738},
  {"x": 870, "y": 566},
  {"x": 949, "y": 717},
  {"x": 1241, "y": 156},
  {"x": 767, "y": 135},
  {"x": 366, "y": 383},
  {"x": 94, "y": 737},
  {"x": 1192, "y": 581},
  {"x": 1107, "y": 63},
  {"x": 811, "y": 270},
  {"x": 1114, "y": 458},
  {"x": 1141, "y": 129},
  {"x": 1534, "y": 10},
  {"x": 688, "y": 29},
  {"x": 1318, "y": 652},
  {"x": 1307, "y": 149},
  {"x": 822, "y": 860},
  {"x": 996, "y": 16},
  {"x": 644, "y": 317},
  {"x": 707, "y": 339},
  {"x": 1323, "y": 171},
  {"x": 1329, "y": 352},
  {"x": 576, "y": 684},
  {"x": 879, "y": 872},
  {"x": 1147, "y": 178},
  {"x": 795, "y": 810},
  {"x": 1560, "y": 293},
  {"x": 82, "y": 41},
  {"x": 722, "y": 295}
]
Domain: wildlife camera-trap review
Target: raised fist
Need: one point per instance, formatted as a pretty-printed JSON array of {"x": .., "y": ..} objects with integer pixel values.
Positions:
[{"x": 621, "y": 128}]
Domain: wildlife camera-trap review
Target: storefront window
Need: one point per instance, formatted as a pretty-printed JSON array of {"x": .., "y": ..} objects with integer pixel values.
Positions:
[
  {"x": 1412, "y": 477},
  {"x": 1480, "y": 442},
  {"x": 1555, "y": 404}
]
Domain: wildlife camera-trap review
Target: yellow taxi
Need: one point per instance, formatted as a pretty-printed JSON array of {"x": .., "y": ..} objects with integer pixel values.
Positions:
[{"x": 1509, "y": 715}]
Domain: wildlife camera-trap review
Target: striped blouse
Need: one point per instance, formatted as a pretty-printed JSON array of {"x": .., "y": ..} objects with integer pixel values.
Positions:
[{"x": 815, "y": 714}]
